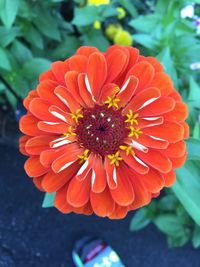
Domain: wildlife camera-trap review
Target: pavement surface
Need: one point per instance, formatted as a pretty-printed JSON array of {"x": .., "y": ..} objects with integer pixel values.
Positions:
[{"x": 34, "y": 237}]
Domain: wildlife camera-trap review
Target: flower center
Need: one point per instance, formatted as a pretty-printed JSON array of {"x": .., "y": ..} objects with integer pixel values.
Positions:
[{"x": 101, "y": 130}]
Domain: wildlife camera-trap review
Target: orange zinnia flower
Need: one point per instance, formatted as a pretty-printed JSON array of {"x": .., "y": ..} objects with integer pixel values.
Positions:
[{"x": 104, "y": 131}]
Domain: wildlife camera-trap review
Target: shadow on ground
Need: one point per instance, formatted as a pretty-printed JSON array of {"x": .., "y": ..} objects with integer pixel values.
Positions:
[{"x": 34, "y": 237}]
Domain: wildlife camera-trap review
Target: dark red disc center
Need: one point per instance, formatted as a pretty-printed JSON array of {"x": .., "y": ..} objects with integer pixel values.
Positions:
[{"x": 101, "y": 130}]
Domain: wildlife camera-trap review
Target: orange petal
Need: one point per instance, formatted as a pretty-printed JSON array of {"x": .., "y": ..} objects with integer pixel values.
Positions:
[
  {"x": 38, "y": 182},
  {"x": 175, "y": 95},
  {"x": 39, "y": 108},
  {"x": 78, "y": 193},
  {"x": 153, "y": 61},
  {"x": 176, "y": 150},
  {"x": 109, "y": 89},
  {"x": 71, "y": 80},
  {"x": 111, "y": 174},
  {"x": 143, "y": 98},
  {"x": 96, "y": 73},
  {"x": 59, "y": 69},
  {"x": 78, "y": 63},
  {"x": 66, "y": 97},
  {"x": 133, "y": 58},
  {"x": 53, "y": 127},
  {"x": 28, "y": 125},
  {"x": 153, "y": 180},
  {"x": 119, "y": 212},
  {"x": 102, "y": 203},
  {"x": 149, "y": 141},
  {"x": 186, "y": 129},
  {"x": 86, "y": 50},
  {"x": 148, "y": 122},
  {"x": 66, "y": 160},
  {"x": 134, "y": 164},
  {"x": 47, "y": 75},
  {"x": 142, "y": 196},
  {"x": 170, "y": 178},
  {"x": 169, "y": 131},
  {"x": 52, "y": 182},
  {"x": 160, "y": 106},
  {"x": 156, "y": 159},
  {"x": 22, "y": 144},
  {"x": 46, "y": 91},
  {"x": 31, "y": 95},
  {"x": 127, "y": 91},
  {"x": 98, "y": 175},
  {"x": 48, "y": 156},
  {"x": 37, "y": 144},
  {"x": 61, "y": 114},
  {"x": 60, "y": 201},
  {"x": 34, "y": 168},
  {"x": 144, "y": 72},
  {"x": 163, "y": 82},
  {"x": 84, "y": 93},
  {"x": 86, "y": 209},
  {"x": 178, "y": 162},
  {"x": 123, "y": 194},
  {"x": 116, "y": 61},
  {"x": 179, "y": 113}
]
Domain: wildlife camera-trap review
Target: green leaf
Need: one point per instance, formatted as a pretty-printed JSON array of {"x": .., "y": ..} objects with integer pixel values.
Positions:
[
  {"x": 47, "y": 24},
  {"x": 193, "y": 149},
  {"x": 107, "y": 11},
  {"x": 146, "y": 40},
  {"x": 168, "y": 203},
  {"x": 178, "y": 241},
  {"x": 95, "y": 38},
  {"x": 48, "y": 200},
  {"x": 145, "y": 24},
  {"x": 8, "y": 11},
  {"x": 187, "y": 188},
  {"x": 196, "y": 130},
  {"x": 11, "y": 99},
  {"x": 34, "y": 37},
  {"x": 194, "y": 93},
  {"x": 4, "y": 61},
  {"x": 7, "y": 35},
  {"x": 139, "y": 220},
  {"x": 169, "y": 224},
  {"x": 86, "y": 16},
  {"x": 66, "y": 48},
  {"x": 196, "y": 237},
  {"x": 128, "y": 5},
  {"x": 21, "y": 52},
  {"x": 165, "y": 58},
  {"x": 34, "y": 67}
]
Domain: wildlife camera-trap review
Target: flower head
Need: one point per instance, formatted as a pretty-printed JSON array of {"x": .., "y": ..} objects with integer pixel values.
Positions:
[
  {"x": 104, "y": 131},
  {"x": 123, "y": 37},
  {"x": 98, "y": 2},
  {"x": 121, "y": 12},
  {"x": 112, "y": 29}
]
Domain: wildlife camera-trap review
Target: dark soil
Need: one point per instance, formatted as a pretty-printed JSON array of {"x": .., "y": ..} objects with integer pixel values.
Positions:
[{"x": 34, "y": 237}]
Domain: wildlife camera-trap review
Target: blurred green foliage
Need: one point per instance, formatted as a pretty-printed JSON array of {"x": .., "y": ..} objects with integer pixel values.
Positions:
[{"x": 34, "y": 33}]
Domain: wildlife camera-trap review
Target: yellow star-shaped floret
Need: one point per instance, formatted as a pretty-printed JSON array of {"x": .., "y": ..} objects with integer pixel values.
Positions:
[
  {"x": 112, "y": 102},
  {"x": 127, "y": 149},
  {"x": 84, "y": 156},
  {"x": 135, "y": 132},
  {"x": 115, "y": 158},
  {"x": 77, "y": 115},
  {"x": 132, "y": 118},
  {"x": 69, "y": 132}
]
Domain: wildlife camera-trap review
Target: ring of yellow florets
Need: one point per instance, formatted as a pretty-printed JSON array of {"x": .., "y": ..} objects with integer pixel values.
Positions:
[{"x": 103, "y": 130}]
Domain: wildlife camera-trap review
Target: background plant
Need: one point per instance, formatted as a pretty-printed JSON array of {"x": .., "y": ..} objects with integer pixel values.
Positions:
[{"x": 34, "y": 33}]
